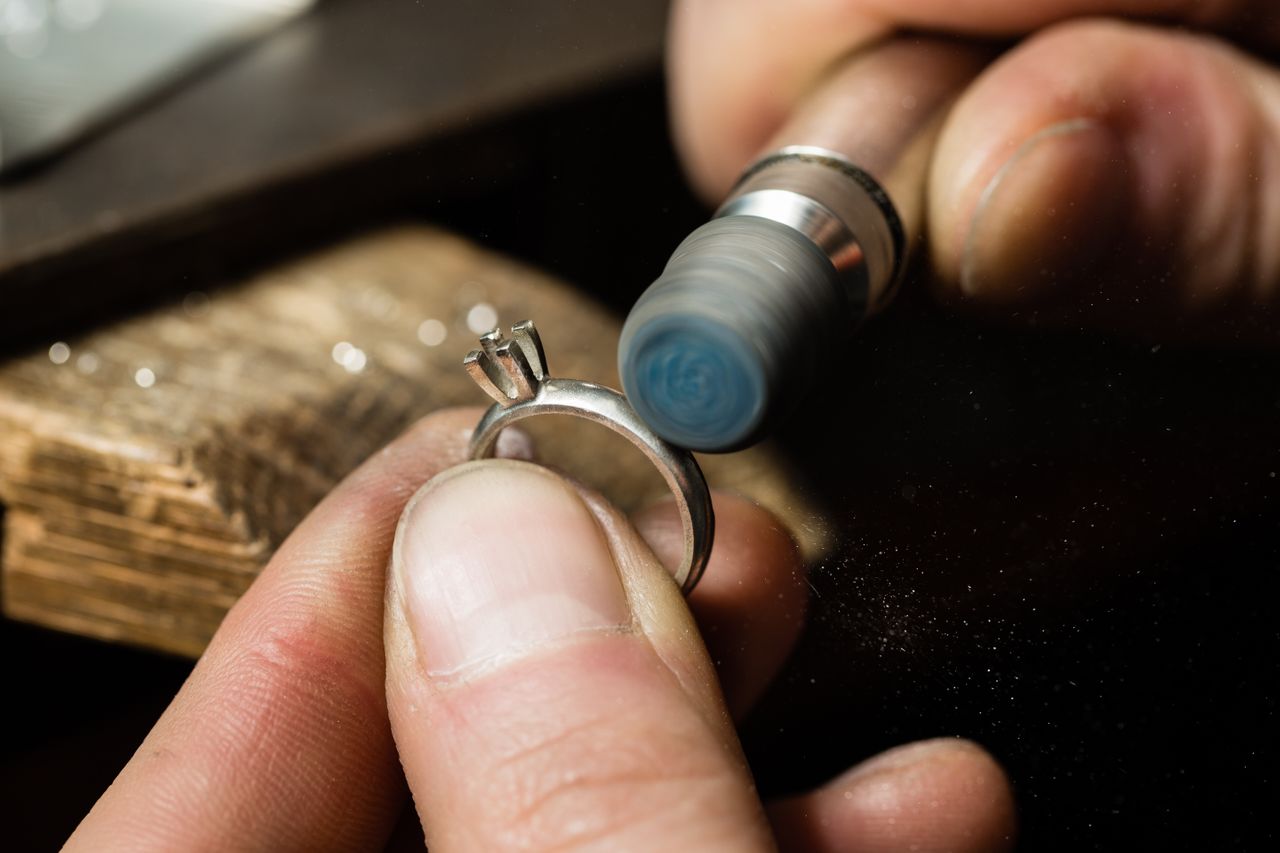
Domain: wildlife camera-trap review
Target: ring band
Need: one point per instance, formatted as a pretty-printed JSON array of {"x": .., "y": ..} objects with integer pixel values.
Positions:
[{"x": 514, "y": 373}]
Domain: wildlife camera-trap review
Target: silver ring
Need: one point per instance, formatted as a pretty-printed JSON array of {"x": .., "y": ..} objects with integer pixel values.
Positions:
[{"x": 514, "y": 373}]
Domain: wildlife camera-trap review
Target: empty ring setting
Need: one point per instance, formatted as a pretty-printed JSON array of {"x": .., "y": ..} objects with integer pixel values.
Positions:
[{"x": 513, "y": 371}]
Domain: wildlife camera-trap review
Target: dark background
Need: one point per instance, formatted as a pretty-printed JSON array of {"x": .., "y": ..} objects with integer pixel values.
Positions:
[{"x": 1060, "y": 545}]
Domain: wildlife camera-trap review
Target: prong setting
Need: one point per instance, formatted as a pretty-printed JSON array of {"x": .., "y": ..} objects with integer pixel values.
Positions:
[
  {"x": 526, "y": 334},
  {"x": 510, "y": 370}
]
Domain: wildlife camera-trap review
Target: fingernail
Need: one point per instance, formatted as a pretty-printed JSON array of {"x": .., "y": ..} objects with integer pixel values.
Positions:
[
  {"x": 497, "y": 559},
  {"x": 1048, "y": 214}
]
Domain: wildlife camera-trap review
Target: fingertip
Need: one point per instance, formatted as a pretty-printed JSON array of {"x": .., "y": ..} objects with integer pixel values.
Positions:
[
  {"x": 1031, "y": 181},
  {"x": 755, "y": 592},
  {"x": 752, "y": 599},
  {"x": 735, "y": 75},
  {"x": 941, "y": 794},
  {"x": 1113, "y": 174},
  {"x": 753, "y": 549}
]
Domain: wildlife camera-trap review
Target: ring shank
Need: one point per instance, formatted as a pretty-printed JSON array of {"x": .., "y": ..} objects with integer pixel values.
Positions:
[{"x": 611, "y": 409}]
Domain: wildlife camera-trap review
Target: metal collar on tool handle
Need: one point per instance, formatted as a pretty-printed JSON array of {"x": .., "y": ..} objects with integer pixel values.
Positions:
[
  {"x": 841, "y": 208},
  {"x": 514, "y": 373}
]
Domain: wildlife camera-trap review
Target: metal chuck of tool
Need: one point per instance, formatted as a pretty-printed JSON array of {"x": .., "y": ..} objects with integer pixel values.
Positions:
[{"x": 812, "y": 239}]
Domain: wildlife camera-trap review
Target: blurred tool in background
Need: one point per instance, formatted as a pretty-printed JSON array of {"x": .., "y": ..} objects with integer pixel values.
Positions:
[
  {"x": 67, "y": 66},
  {"x": 757, "y": 305}
]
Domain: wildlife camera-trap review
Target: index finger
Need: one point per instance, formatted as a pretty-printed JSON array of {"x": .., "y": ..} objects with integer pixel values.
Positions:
[
  {"x": 737, "y": 68},
  {"x": 279, "y": 739}
]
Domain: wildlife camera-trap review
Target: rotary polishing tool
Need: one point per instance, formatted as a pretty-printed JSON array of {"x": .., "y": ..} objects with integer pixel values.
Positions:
[{"x": 812, "y": 239}]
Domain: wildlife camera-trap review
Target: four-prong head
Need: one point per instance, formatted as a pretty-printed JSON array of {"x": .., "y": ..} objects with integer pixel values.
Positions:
[{"x": 509, "y": 370}]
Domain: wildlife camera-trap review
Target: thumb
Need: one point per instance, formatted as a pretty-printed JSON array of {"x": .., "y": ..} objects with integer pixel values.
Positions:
[{"x": 546, "y": 685}]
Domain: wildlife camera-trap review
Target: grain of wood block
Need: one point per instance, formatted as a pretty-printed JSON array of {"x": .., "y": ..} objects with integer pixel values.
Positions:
[{"x": 148, "y": 470}]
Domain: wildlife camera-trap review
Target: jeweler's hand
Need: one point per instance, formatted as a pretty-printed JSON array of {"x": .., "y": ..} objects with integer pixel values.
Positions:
[
  {"x": 1120, "y": 173},
  {"x": 546, "y": 687}
]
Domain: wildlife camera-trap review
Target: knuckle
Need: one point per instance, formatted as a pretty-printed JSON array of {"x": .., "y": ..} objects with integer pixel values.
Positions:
[
  {"x": 604, "y": 779},
  {"x": 292, "y": 675}
]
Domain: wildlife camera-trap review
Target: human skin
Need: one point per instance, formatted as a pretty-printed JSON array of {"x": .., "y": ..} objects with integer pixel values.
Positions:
[
  {"x": 520, "y": 661},
  {"x": 1098, "y": 165},
  {"x": 1118, "y": 173}
]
